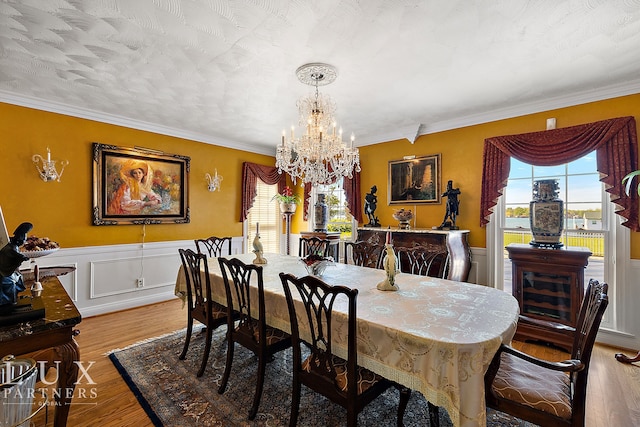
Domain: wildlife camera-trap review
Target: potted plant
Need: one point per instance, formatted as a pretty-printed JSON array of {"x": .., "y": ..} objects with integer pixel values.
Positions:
[
  {"x": 629, "y": 179},
  {"x": 288, "y": 201}
]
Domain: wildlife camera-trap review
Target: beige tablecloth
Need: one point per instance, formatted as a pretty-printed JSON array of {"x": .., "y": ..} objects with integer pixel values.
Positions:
[{"x": 433, "y": 335}]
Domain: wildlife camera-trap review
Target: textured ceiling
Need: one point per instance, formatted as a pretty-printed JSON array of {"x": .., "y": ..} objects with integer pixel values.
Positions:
[{"x": 223, "y": 71}]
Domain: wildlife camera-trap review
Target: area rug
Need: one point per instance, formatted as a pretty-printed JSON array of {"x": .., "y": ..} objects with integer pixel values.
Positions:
[{"x": 172, "y": 395}]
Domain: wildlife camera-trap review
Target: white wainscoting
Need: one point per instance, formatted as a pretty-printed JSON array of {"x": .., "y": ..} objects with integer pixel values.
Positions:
[{"x": 106, "y": 277}]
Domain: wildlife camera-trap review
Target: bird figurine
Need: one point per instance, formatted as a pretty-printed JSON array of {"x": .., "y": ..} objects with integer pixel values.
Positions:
[
  {"x": 258, "y": 249},
  {"x": 391, "y": 268}
]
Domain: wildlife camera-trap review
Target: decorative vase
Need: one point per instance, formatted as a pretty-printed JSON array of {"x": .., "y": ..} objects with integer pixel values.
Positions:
[
  {"x": 288, "y": 207},
  {"x": 546, "y": 214},
  {"x": 321, "y": 216}
]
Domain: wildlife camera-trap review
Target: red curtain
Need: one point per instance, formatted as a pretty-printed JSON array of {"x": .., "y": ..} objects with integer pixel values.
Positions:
[
  {"x": 251, "y": 172},
  {"x": 351, "y": 187},
  {"x": 615, "y": 142}
]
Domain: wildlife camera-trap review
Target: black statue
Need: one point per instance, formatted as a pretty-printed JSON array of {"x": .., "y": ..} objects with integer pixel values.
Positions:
[
  {"x": 370, "y": 204},
  {"x": 10, "y": 260},
  {"x": 451, "y": 194}
]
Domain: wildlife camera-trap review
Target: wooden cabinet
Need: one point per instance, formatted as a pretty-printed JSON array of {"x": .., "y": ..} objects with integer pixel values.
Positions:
[
  {"x": 454, "y": 241},
  {"x": 549, "y": 287}
]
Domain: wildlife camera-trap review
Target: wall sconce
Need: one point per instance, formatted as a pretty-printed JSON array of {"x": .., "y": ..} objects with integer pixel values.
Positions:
[
  {"x": 47, "y": 168},
  {"x": 214, "y": 181}
]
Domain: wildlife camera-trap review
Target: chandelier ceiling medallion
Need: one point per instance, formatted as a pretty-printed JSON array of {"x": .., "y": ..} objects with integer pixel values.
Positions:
[{"x": 319, "y": 156}]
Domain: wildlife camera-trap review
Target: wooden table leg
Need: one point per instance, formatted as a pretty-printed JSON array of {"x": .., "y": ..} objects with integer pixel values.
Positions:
[
  {"x": 63, "y": 358},
  {"x": 67, "y": 377},
  {"x": 626, "y": 359}
]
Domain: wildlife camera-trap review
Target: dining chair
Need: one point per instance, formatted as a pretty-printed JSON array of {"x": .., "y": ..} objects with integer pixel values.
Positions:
[
  {"x": 200, "y": 303},
  {"x": 363, "y": 253},
  {"x": 311, "y": 303},
  {"x": 313, "y": 246},
  {"x": 424, "y": 261},
  {"x": 543, "y": 392},
  {"x": 251, "y": 330},
  {"x": 214, "y": 246}
]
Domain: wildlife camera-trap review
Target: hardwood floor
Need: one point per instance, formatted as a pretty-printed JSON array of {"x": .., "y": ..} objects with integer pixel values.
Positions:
[{"x": 614, "y": 387}]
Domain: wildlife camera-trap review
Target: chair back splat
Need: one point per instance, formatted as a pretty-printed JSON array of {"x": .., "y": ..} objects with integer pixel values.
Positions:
[
  {"x": 214, "y": 246},
  {"x": 201, "y": 304},
  {"x": 313, "y": 246},
  {"x": 424, "y": 261},
  {"x": 251, "y": 330},
  {"x": 363, "y": 253},
  {"x": 312, "y": 304},
  {"x": 540, "y": 391}
]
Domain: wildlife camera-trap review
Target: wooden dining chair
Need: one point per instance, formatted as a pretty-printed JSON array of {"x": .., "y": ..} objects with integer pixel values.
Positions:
[
  {"x": 424, "y": 261},
  {"x": 543, "y": 392},
  {"x": 341, "y": 381},
  {"x": 363, "y": 254},
  {"x": 200, "y": 303},
  {"x": 313, "y": 246},
  {"x": 214, "y": 246},
  {"x": 250, "y": 331}
]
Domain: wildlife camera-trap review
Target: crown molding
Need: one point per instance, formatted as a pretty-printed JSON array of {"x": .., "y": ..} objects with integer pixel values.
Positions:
[
  {"x": 406, "y": 132},
  {"x": 85, "y": 113}
]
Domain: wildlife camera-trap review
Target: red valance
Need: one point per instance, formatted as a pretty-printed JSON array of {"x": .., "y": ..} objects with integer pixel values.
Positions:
[
  {"x": 615, "y": 142},
  {"x": 251, "y": 172}
]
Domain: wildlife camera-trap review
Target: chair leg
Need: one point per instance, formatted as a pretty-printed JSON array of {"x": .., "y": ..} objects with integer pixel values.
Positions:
[
  {"x": 187, "y": 339},
  {"x": 207, "y": 349},
  {"x": 434, "y": 418},
  {"x": 262, "y": 363},
  {"x": 405, "y": 394},
  {"x": 295, "y": 402},
  {"x": 227, "y": 368}
]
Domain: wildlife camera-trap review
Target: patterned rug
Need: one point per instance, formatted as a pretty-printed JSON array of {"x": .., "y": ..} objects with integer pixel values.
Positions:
[{"x": 172, "y": 395}]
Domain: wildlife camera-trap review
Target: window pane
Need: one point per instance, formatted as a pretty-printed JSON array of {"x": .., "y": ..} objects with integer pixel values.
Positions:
[
  {"x": 340, "y": 220},
  {"x": 267, "y": 213},
  {"x": 586, "y": 189},
  {"x": 548, "y": 171},
  {"x": 519, "y": 169},
  {"x": 586, "y": 164},
  {"x": 518, "y": 191}
]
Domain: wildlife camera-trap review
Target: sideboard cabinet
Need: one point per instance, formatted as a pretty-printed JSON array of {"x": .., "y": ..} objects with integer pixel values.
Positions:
[
  {"x": 454, "y": 241},
  {"x": 549, "y": 287}
]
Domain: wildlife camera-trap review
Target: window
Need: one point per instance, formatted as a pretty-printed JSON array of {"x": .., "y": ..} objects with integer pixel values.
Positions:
[
  {"x": 585, "y": 213},
  {"x": 266, "y": 213},
  {"x": 340, "y": 220}
]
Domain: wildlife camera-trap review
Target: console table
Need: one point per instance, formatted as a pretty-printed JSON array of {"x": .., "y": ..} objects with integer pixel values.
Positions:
[
  {"x": 549, "y": 287},
  {"x": 454, "y": 241},
  {"x": 49, "y": 339}
]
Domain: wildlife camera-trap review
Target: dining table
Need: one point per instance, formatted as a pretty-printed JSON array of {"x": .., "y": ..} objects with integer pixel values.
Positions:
[{"x": 432, "y": 335}]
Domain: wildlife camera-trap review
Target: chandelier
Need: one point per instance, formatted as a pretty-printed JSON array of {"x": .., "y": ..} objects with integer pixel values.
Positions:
[{"x": 319, "y": 156}]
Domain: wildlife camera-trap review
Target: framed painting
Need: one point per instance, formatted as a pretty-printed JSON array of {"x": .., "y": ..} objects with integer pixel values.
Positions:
[
  {"x": 414, "y": 180},
  {"x": 139, "y": 186}
]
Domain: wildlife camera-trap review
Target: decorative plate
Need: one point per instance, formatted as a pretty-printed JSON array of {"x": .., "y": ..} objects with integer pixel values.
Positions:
[{"x": 38, "y": 254}]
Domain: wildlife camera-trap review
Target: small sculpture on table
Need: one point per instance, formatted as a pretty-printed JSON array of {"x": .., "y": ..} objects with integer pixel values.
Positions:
[
  {"x": 449, "y": 222},
  {"x": 10, "y": 260},
  {"x": 390, "y": 267},
  {"x": 370, "y": 204},
  {"x": 257, "y": 247}
]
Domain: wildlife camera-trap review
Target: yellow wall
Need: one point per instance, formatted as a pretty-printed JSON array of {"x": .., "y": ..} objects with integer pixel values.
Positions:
[
  {"x": 461, "y": 158},
  {"x": 62, "y": 210}
]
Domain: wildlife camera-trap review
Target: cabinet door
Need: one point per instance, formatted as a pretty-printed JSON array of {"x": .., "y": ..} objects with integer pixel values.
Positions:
[{"x": 547, "y": 293}]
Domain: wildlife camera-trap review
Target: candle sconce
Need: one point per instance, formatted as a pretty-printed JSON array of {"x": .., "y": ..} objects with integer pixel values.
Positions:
[
  {"x": 47, "y": 168},
  {"x": 214, "y": 181}
]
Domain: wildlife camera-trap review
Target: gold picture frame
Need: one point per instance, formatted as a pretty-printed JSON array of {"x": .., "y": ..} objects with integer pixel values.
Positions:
[
  {"x": 139, "y": 186},
  {"x": 414, "y": 180}
]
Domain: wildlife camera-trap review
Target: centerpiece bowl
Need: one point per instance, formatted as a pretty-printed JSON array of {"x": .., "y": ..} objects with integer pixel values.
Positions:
[
  {"x": 316, "y": 264},
  {"x": 404, "y": 218}
]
